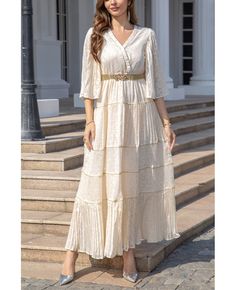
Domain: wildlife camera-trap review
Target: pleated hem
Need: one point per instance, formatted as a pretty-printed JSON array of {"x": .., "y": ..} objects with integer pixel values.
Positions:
[
  {"x": 94, "y": 256},
  {"x": 107, "y": 228}
]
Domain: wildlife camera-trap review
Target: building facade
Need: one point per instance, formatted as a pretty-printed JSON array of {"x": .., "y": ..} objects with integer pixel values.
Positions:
[{"x": 184, "y": 28}]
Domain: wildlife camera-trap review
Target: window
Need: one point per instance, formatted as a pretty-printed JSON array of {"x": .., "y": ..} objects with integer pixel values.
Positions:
[
  {"x": 187, "y": 44},
  {"x": 62, "y": 35}
]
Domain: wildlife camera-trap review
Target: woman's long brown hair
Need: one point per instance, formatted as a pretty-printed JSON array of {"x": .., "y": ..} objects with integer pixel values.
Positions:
[{"x": 102, "y": 22}]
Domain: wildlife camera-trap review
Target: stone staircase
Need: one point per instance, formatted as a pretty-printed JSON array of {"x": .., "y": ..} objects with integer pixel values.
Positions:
[{"x": 51, "y": 175}]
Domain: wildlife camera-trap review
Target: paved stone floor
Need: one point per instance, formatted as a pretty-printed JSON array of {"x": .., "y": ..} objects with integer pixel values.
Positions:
[{"x": 189, "y": 267}]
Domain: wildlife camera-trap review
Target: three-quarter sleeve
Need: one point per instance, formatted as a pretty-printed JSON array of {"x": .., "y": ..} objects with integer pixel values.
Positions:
[
  {"x": 91, "y": 71},
  {"x": 155, "y": 83}
]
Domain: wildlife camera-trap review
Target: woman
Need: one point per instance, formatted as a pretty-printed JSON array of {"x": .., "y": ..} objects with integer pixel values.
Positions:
[{"x": 126, "y": 191}]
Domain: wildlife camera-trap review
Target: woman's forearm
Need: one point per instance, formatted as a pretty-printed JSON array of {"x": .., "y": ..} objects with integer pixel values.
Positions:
[
  {"x": 161, "y": 107},
  {"x": 89, "y": 109}
]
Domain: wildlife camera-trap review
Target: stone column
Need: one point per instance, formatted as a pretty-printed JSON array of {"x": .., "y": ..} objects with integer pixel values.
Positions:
[
  {"x": 203, "y": 56},
  {"x": 160, "y": 23},
  {"x": 47, "y": 49}
]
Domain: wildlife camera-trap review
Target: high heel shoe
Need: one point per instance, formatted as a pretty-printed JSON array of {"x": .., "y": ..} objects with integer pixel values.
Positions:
[
  {"x": 132, "y": 277},
  {"x": 64, "y": 279}
]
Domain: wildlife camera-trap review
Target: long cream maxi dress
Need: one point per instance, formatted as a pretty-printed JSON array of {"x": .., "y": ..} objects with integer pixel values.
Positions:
[{"x": 126, "y": 190}]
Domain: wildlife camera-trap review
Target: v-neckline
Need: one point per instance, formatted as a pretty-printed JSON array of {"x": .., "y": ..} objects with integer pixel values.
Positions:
[{"x": 127, "y": 40}]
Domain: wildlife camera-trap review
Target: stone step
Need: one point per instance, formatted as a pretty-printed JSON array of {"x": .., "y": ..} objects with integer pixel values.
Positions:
[
  {"x": 193, "y": 159},
  {"x": 191, "y": 219},
  {"x": 76, "y": 122},
  {"x": 69, "y": 179},
  {"x": 172, "y": 105},
  {"x": 193, "y": 140},
  {"x": 73, "y": 158},
  {"x": 69, "y": 140},
  {"x": 52, "y": 180},
  {"x": 191, "y": 114},
  {"x": 62, "y": 200},
  {"x": 67, "y": 105},
  {"x": 192, "y": 185},
  {"x": 188, "y": 187},
  {"x": 53, "y": 161},
  {"x": 195, "y": 125},
  {"x": 189, "y": 103},
  {"x": 54, "y": 143},
  {"x": 47, "y": 200}
]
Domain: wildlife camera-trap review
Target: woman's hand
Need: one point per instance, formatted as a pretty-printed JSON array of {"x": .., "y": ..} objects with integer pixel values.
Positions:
[
  {"x": 171, "y": 137},
  {"x": 169, "y": 133},
  {"x": 89, "y": 135}
]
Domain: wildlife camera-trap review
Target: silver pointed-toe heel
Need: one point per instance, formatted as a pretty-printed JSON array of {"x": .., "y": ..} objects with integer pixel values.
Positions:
[
  {"x": 132, "y": 277},
  {"x": 64, "y": 279}
]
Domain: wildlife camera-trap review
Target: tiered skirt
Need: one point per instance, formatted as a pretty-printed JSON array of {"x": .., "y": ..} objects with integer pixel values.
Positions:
[{"x": 126, "y": 192}]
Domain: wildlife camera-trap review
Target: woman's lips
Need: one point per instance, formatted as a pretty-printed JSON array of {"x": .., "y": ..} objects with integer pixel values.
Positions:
[{"x": 114, "y": 9}]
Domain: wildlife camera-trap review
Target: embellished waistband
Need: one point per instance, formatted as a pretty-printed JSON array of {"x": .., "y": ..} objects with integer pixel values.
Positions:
[{"x": 122, "y": 77}]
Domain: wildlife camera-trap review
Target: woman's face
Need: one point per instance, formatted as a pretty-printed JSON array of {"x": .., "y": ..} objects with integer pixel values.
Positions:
[{"x": 116, "y": 7}]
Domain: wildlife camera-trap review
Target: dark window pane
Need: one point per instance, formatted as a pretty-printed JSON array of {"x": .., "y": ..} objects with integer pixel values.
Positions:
[
  {"x": 65, "y": 36},
  {"x": 62, "y": 34},
  {"x": 186, "y": 77},
  {"x": 188, "y": 8},
  {"x": 58, "y": 27},
  {"x": 65, "y": 53},
  {"x": 187, "y": 36},
  {"x": 59, "y": 6},
  {"x": 62, "y": 53},
  {"x": 57, "y": 3},
  {"x": 188, "y": 50},
  {"x": 65, "y": 74},
  {"x": 187, "y": 64},
  {"x": 61, "y": 28},
  {"x": 188, "y": 22},
  {"x": 64, "y": 6}
]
